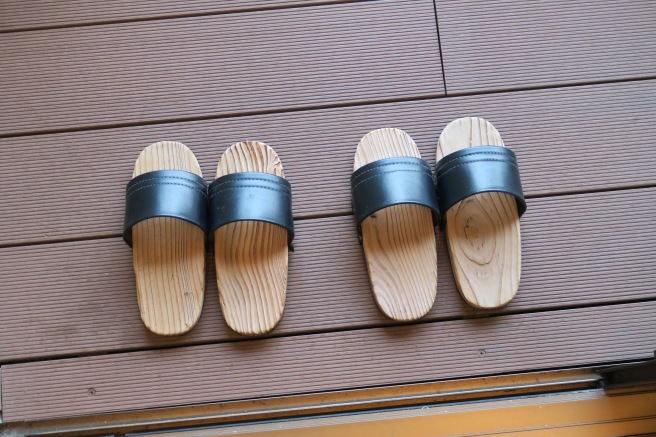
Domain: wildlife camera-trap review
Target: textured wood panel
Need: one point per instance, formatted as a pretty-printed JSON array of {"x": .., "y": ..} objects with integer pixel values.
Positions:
[
  {"x": 72, "y": 298},
  {"x": 556, "y": 133},
  {"x": 329, "y": 361},
  {"x": 499, "y": 44},
  {"x": 21, "y": 15},
  {"x": 212, "y": 65},
  {"x": 79, "y": 297}
]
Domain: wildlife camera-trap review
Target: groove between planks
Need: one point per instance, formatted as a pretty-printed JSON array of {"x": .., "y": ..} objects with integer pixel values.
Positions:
[
  {"x": 333, "y": 361},
  {"x": 19, "y": 15},
  {"x": 556, "y": 134},
  {"x": 498, "y": 44},
  {"x": 79, "y": 298},
  {"x": 201, "y": 66}
]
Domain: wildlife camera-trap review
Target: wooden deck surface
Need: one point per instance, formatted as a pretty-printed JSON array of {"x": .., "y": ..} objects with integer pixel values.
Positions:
[{"x": 85, "y": 86}]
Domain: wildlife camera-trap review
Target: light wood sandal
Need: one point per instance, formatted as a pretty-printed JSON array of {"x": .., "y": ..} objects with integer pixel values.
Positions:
[
  {"x": 395, "y": 205},
  {"x": 251, "y": 221},
  {"x": 481, "y": 200},
  {"x": 165, "y": 223}
]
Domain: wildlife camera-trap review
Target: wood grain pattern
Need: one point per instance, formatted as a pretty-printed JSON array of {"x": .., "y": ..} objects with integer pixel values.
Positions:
[
  {"x": 168, "y": 254},
  {"x": 398, "y": 241},
  {"x": 560, "y": 42},
  {"x": 322, "y": 55},
  {"x": 329, "y": 361},
  {"x": 92, "y": 190},
  {"x": 77, "y": 298},
  {"x": 482, "y": 231},
  {"x": 112, "y": 87},
  {"x": 19, "y": 15},
  {"x": 251, "y": 256}
]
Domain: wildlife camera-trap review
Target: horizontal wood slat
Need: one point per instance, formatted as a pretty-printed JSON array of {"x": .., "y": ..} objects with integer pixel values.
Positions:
[
  {"x": 21, "y": 15},
  {"x": 211, "y": 65},
  {"x": 497, "y": 44},
  {"x": 329, "y": 361},
  {"x": 80, "y": 298},
  {"x": 50, "y": 179}
]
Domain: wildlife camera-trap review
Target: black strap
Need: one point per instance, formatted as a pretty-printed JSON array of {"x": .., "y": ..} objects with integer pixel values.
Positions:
[
  {"x": 254, "y": 196},
  {"x": 476, "y": 170},
  {"x": 165, "y": 193},
  {"x": 392, "y": 181}
]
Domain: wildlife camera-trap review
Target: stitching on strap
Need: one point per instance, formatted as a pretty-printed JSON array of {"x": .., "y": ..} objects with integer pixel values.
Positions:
[
  {"x": 166, "y": 183},
  {"x": 213, "y": 186},
  {"x": 248, "y": 186},
  {"x": 419, "y": 164},
  {"x": 478, "y": 160},
  {"x": 191, "y": 181},
  {"x": 388, "y": 172},
  {"x": 472, "y": 154}
]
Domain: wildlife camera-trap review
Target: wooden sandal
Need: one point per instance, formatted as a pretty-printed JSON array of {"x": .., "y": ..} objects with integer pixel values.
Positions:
[
  {"x": 252, "y": 225},
  {"x": 395, "y": 207},
  {"x": 165, "y": 224},
  {"x": 481, "y": 200}
]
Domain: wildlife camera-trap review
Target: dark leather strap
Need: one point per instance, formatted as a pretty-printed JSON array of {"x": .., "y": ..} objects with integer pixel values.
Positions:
[
  {"x": 476, "y": 170},
  {"x": 165, "y": 193},
  {"x": 251, "y": 196},
  {"x": 392, "y": 181}
]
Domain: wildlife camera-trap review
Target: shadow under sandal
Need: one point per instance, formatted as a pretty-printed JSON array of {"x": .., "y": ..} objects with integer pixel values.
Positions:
[
  {"x": 481, "y": 200},
  {"x": 251, "y": 221},
  {"x": 395, "y": 207},
  {"x": 165, "y": 224}
]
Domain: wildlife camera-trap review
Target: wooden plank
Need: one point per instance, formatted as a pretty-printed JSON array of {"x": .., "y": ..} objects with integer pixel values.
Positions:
[
  {"x": 80, "y": 298},
  {"x": 498, "y": 45},
  {"x": 19, "y": 15},
  {"x": 329, "y": 361},
  {"x": 218, "y": 65},
  {"x": 555, "y": 133},
  {"x": 288, "y": 407}
]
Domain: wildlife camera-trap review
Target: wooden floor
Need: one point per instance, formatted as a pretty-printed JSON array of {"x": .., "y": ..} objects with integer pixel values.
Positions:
[{"x": 85, "y": 86}]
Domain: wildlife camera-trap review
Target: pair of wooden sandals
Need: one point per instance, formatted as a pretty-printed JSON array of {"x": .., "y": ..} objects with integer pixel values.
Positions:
[
  {"x": 247, "y": 212},
  {"x": 475, "y": 196}
]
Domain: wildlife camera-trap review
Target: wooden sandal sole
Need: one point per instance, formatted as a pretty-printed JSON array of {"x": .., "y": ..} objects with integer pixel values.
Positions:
[
  {"x": 398, "y": 241},
  {"x": 168, "y": 253},
  {"x": 482, "y": 231},
  {"x": 251, "y": 256}
]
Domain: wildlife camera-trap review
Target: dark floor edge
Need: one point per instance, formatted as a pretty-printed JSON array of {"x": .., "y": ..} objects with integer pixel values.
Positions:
[
  {"x": 322, "y": 107},
  {"x": 337, "y": 214},
  {"x": 389, "y": 324},
  {"x": 175, "y": 16}
]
